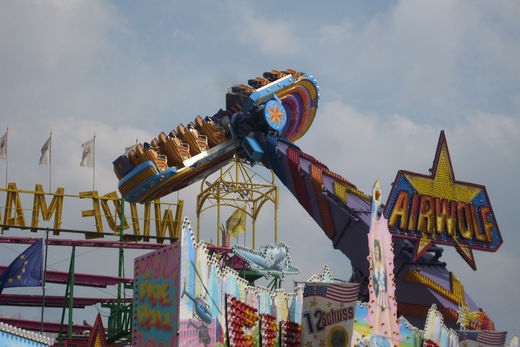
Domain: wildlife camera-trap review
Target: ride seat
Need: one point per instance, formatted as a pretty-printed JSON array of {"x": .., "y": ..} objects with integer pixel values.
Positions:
[
  {"x": 208, "y": 127},
  {"x": 197, "y": 142},
  {"x": 175, "y": 150},
  {"x": 150, "y": 153}
]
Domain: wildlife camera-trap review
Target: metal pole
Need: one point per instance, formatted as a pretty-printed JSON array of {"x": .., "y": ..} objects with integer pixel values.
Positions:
[
  {"x": 68, "y": 291},
  {"x": 94, "y": 165},
  {"x": 44, "y": 277},
  {"x": 218, "y": 212},
  {"x": 254, "y": 231},
  {"x": 121, "y": 271},
  {"x": 6, "y": 154},
  {"x": 71, "y": 294},
  {"x": 50, "y": 164},
  {"x": 276, "y": 217}
]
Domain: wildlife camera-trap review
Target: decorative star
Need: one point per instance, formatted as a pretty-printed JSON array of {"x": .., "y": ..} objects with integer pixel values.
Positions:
[
  {"x": 22, "y": 256},
  {"x": 19, "y": 277},
  {"x": 442, "y": 184},
  {"x": 322, "y": 343},
  {"x": 308, "y": 344},
  {"x": 276, "y": 115},
  {"x": 329, "y": 304},
  {"x": 10, "y": 280}
]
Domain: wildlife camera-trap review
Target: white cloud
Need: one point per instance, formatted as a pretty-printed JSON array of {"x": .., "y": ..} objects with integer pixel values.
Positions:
[
  {"x": 442, "y": 58},
  {"x": 276, "y": 38}
]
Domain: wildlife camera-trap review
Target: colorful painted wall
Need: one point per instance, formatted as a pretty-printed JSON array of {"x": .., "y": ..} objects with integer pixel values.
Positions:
[
  {"x": 181, "y": 294},
  {"x": 156, "y": 298},
  {"x": 204, "y": 287}
]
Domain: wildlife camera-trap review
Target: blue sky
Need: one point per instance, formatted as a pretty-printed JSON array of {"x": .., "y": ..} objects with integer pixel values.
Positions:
[{"x": 392, "y": 75}]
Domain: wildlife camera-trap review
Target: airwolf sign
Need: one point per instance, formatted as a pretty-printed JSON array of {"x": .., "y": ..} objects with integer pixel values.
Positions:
[{"x": 438, "y": 209}]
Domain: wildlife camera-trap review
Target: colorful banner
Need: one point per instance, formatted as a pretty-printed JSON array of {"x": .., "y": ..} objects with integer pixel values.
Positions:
[
  {"x": 156, "y": 305},
  {"x": 482, "y": 338},
  {"x": 328, "y": 313}
]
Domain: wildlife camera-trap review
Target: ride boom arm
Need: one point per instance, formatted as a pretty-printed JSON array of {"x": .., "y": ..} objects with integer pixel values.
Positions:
[{"x": 260, "y": 124}]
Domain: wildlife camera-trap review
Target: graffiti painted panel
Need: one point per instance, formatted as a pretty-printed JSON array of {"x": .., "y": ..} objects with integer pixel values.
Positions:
[{"x": 156, "y": 295}]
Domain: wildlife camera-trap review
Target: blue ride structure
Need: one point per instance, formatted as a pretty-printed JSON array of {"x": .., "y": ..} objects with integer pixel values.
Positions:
[
  {"x": 283, "y": 104},
  {"x": 260, "y": 123}
]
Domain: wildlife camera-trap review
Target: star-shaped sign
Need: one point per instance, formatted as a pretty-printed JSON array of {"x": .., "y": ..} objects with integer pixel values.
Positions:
[
  {"x": 437, "y": 208},
  {"x": 276, "y": 115}
]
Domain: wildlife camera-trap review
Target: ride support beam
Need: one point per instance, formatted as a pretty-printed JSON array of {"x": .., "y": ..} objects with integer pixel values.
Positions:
[
  {"x": 84, "y": 243},
  {"x": 52, "y": 301},
  {"x": 85, "y": 280}
]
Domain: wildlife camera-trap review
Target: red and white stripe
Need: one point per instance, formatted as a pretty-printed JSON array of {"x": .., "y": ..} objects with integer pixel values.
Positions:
[{"x": 343, "y": 292}]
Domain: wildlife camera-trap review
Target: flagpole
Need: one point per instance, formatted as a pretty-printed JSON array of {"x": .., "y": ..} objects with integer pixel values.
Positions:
[
  {"x": 44, "y": 277},
  {"x": 94, "y": 165},
  {"x": 50, "y": 164},
  {"x": 6, "y": 154}
]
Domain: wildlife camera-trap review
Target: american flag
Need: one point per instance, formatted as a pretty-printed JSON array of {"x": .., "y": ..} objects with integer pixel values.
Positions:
[
  {"x": 489, "y": 338},
  {"x": 340, "y": 292}
]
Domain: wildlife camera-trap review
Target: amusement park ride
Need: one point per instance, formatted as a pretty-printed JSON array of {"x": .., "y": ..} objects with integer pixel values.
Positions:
[{"x": 258, "y": 126}]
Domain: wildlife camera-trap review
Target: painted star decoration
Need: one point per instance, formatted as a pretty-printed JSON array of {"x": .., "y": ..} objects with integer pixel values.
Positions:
[{"x": 276, "y": 115}]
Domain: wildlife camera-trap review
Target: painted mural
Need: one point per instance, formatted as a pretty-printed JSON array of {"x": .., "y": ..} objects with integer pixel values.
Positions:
[
  {"x": 206, "y": 289},
  {"x": 156, "y": 298}
]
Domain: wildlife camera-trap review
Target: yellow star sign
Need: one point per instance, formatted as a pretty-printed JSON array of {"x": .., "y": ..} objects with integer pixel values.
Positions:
[
  {"x": 437, "y": 208},
  {"x": 442, "y": 183},
  {"x": 313, "y": 303},
  {"x": 276, "y": 115}
]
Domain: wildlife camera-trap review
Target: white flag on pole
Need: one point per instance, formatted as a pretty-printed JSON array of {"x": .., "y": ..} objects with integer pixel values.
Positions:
[
  {"x": 3, "y": 146},
  {"x": 46, "y": 152},
  {"x": 87, "y": 158}
]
